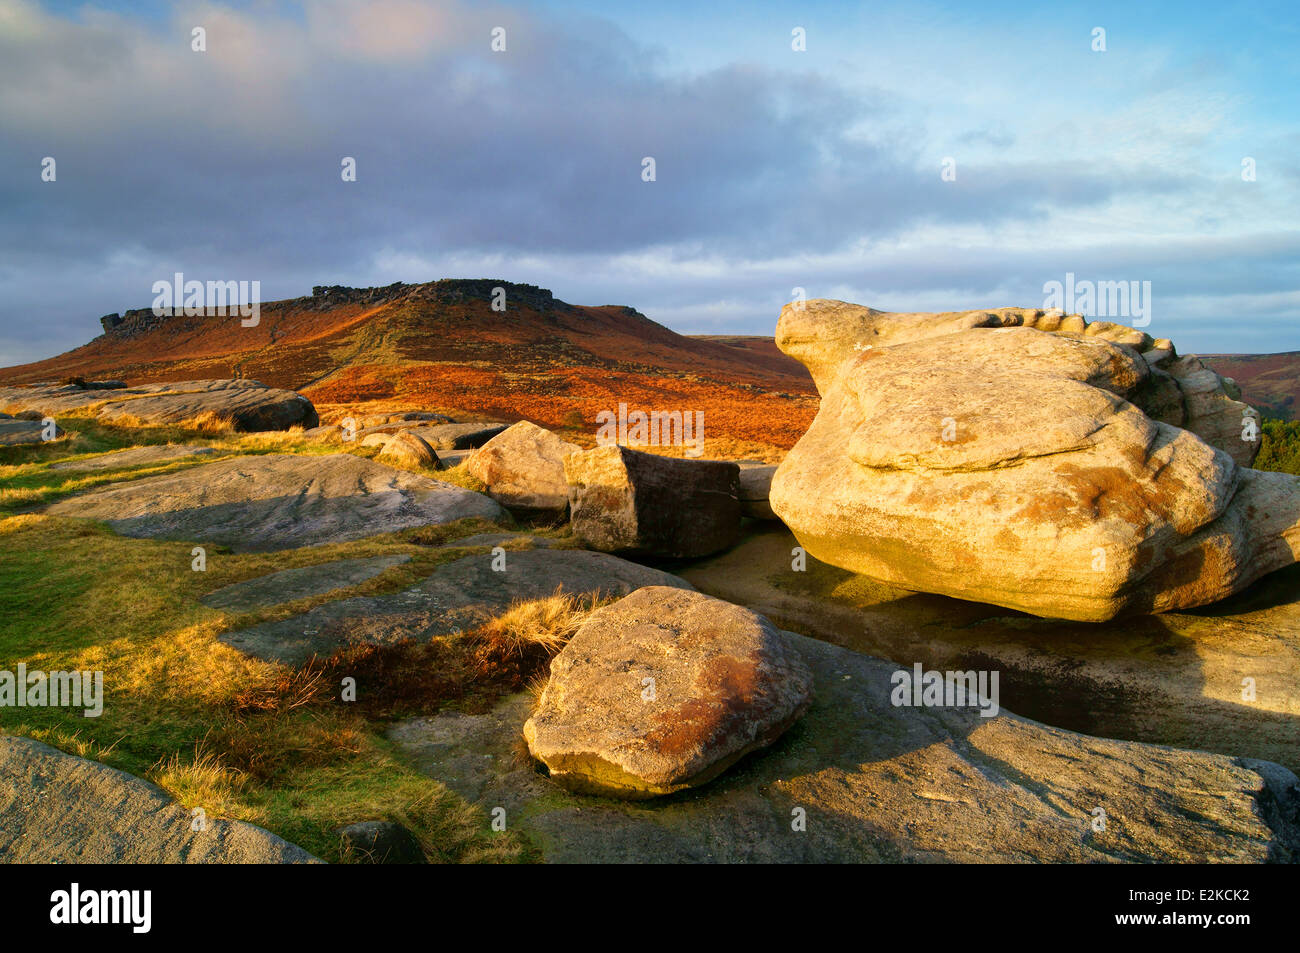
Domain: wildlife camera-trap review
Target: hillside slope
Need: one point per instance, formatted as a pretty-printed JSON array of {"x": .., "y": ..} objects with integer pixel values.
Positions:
[
  {"x": 440, "y": 345},
  {"x": 1269, "y": 382}
]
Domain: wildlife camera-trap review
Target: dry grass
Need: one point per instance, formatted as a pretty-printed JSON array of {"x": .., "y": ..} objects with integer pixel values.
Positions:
[
  {"x": 461, "y": 477},
  {"x": 205, "y": 424},
  {"x": 470, "y": 672},
  {"x": 548, "y": 622},
  {"x": 201, "y": 780},
  {"x": 239, "y": 737}
]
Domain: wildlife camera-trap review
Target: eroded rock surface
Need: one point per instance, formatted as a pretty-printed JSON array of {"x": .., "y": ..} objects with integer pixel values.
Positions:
[
  {"x": 22, "y": 433},
  {"x": 56, "y": 808},
  {"x": 879, "y": 783},
  {"x": 278, "y": 501},
  {"x": 456, "y": 597},
  {"x": 523, "y": 468},
  {"x": 1223, "y": 678},
  {"x": 664, "y": 690},
  {"x": 1006, "y": 457},
  {"x": 242, "y": 404},
  {"x": 300, "y": 583}
]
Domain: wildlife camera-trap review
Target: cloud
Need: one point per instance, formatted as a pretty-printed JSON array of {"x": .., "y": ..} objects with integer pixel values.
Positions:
[{"x": 528, "y": 163}]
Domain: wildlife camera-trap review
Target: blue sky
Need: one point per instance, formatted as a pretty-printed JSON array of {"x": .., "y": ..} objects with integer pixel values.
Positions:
[{"x": 775, "y": 169}]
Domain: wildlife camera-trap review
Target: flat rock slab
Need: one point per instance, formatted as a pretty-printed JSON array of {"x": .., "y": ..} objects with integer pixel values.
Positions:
[
  {"x": 246, "y": 405},
  {"x": 134, "y": 457},
  {"x": 21, "y": 433},
  {"x": 878, "y": 783},
  {"x": 301, "y": 583},
  {"x": 499, "y": 539},
  {"x": 56, "y": 808},
  {"x": 457, "y": 597},
  {"x": 662, "y": 691},
  {"x": 1174, "y": 679},
  {"x": 278, "y": 501},
  {"x": 458, "y": 436}
]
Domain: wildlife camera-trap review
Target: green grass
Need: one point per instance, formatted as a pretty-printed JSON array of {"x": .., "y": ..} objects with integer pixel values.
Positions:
[{"x": 74, "y": 595}]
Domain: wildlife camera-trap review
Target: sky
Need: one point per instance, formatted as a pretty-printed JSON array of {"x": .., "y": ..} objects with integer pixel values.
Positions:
[{"x": 912, "y": 156}]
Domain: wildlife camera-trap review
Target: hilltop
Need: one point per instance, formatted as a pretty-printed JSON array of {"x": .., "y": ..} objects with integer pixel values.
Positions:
[{"x": 440, "y": 345}]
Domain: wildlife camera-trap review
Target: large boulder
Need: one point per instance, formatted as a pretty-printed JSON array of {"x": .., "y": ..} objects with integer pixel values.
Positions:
[
  {"x": 56, "y": 808},
  {"x": 1006, "y": 457},
  {"x": 243, "y": 405},
  {"x": 523, "y": 468},
  {"x": 278, "y": 501},
  {"x": 623, "y": 500},
  {"x": 408, "y": 450},
  {"x": 664, "y": 690}
]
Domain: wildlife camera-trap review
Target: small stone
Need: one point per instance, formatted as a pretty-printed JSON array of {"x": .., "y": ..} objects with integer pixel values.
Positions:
[{"x": 381, "y": 842}]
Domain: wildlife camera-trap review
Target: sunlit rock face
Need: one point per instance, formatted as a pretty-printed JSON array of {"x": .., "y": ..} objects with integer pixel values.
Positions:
[{"x": 1027, "y": 459}]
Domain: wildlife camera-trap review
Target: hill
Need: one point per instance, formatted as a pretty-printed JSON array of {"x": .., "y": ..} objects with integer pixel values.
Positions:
[
  {"x": 1269, "y": 382},
  {"x": 441, "y": 346}
]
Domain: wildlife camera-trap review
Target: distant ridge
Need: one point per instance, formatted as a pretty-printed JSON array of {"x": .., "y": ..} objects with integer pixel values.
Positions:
[
  {"x": 440, "y": 344},
  {"x": 1268, "y": 382}
]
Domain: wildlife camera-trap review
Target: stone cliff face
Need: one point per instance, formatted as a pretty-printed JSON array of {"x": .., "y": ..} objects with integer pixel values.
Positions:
[
  {"x": 1027, "y": 459},
  {"x": 141, "y": 321}
]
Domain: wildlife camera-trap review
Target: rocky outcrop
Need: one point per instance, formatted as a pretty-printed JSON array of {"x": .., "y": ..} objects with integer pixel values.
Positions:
[
  {"x": 278, "y": 501},
  {"x": 1007, "y": 457},
  {"x": 56, "y": 808},
  {"x": 859, "y": 779},
  {"x": 523, "y": 468},
  {"x": 457, "y": 597},
  {"x": 1224, "y": 678},
  {"x": 466, "y": 436},
  {"x": 243, "y": 405},
  {"x": 623, "y": 500},
  {"x": 664, "y": 690}
]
